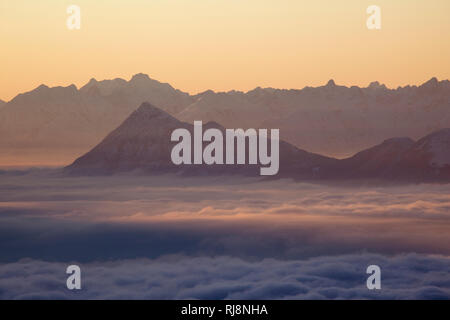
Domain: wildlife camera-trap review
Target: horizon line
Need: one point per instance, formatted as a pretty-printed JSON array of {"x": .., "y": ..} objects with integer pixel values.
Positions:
[{"x": 330, "y": 82}]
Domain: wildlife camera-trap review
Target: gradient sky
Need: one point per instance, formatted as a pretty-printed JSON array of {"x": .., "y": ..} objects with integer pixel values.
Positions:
[{"x": 223, "y": 44}]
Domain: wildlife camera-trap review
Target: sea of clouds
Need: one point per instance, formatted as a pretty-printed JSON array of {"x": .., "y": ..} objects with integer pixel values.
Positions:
[
  {"x": 408, "y": 276},
  {"x": 220, "y": 238}
]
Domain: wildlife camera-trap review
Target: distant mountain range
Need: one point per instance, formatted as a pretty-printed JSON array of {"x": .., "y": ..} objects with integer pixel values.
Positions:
[
  {"x": 142, "y": 142},
  {"x": 332, "y": 120},
  {"x": 65, "y": 122},
  {"x": 400, "y": 159}
]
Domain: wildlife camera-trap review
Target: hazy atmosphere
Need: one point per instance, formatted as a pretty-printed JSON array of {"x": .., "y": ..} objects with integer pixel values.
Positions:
[
  {"x": 223, "y": 45},
  {"x": 238, "y": 149},
  {"x": 164, "y": 238}
]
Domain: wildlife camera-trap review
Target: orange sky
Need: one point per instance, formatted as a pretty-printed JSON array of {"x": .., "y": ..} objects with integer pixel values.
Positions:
[{"x": 223, "y": 44}]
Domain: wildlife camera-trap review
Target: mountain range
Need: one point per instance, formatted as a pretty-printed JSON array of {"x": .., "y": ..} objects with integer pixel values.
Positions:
[
  {"x": 64, "y": 122},
  {"x": 142, "y": 142},
  {"x": 59, "y": 124}
]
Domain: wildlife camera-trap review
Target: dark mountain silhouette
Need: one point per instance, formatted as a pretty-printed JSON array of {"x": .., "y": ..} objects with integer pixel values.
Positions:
[
  {"x": 64, "y": 122},
  {"x": 375, "y": 162},
  {"x": 334, "y": 120},
  {"x": 142, "y": 142},
  {"x": 426, "y": 160}
]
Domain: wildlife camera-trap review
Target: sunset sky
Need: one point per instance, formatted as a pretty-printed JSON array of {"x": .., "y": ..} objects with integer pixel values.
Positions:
[{"x": 223, "y": 44}]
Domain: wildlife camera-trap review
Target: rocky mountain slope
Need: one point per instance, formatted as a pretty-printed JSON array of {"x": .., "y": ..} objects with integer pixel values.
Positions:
[
  {"x": 143, "y": 142},
  {"x": 65, "y": 122}
]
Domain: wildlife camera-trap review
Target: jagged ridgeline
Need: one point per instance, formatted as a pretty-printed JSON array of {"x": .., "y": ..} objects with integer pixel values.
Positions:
[
  {"x": 143, "y": 143},
  {"x": 62, "y": 123}
]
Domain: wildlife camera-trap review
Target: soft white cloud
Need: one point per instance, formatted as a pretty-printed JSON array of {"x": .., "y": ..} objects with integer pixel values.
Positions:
[
  {"x": 331, "y": 277},
  {"x": 245, "y": 238}
]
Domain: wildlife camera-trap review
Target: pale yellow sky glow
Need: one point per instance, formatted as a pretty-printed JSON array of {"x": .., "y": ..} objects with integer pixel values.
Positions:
[{"x": 223, "y": 44}]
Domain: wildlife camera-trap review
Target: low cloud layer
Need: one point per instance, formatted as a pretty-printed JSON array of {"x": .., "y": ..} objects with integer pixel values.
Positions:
[
  {"x": 47, "y": 217},
  {"x": 332, "y": 277},
  {"x": 227, "y": 238}
]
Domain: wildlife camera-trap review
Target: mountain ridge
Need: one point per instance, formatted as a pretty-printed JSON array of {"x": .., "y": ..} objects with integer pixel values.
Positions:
[
  {"x": 431, "y": 83},
  {"x": 142, "y": 142},
  {"x": 333, "y": 120}
]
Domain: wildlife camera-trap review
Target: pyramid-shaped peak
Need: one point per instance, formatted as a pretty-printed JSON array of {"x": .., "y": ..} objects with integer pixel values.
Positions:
[
  {"x": 146, "y": 120},
  {"x": 213, "y": 124},
  {"x": 433, "y": 82},
  {"x": 207, "y": 93},
  {"x": 140, "y": 76},
  {"x": 147, "y": 111},
  {"x": 42, "y": 87},
  {"x": 331, "y": 83},
  {"x": 148, "y": 108}
]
